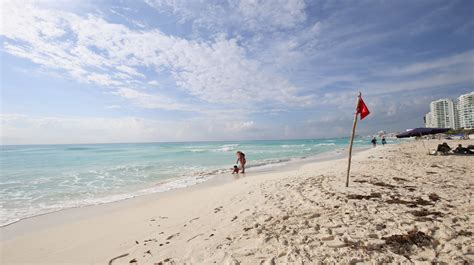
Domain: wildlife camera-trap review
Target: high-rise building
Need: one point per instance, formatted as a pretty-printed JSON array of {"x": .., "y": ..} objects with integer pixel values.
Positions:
[
  {"x": 465, "y": 109},
  {"x": 456, "y": 115},
  {"x": 444, "y": 114},
  {"x": 428, "y": 122}
]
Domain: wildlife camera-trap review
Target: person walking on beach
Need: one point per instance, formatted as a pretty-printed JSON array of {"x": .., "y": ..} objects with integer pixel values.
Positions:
[
  {"x": 374, "y": 142},
  {"x": 241, "y": 160},
  {"x": 383, "y": 140}
]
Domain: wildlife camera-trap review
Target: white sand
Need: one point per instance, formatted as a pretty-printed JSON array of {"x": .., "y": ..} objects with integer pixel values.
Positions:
[{"x": 298, "y": 216}]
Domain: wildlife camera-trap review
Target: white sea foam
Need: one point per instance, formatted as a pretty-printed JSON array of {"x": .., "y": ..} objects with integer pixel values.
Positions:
[
  {"x": 198, "y": 150},
  {"x": 291, "y": 145},
  {"x": 9, "y": 217},
  {"x": 325, "y": 144},
  {"x": 227, "y": 148},
  {"x": 231, "y": 145}
]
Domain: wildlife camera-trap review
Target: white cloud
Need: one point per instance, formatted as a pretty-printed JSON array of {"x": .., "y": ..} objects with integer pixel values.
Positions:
[
  {"x": 247, "y": 15},
  {"x": 465, "y": 59},
  {"x": 102, "y": 79},
  {"x": 153, "y": 83},
  {"x": 21, "y": 129},
  {"x": 461, "y": 77},
  {"x": 150, "y": 101},
  {"x": 241, "y": 60},
  {"x": 241, "y": 125},
  {"x": 129, "y": 70},
  {"x": 281, "y": 14},
  {"x": 91, "y": 49},
  {"x": 25, "y": 129},
  {"x": 113, "y": 107}
]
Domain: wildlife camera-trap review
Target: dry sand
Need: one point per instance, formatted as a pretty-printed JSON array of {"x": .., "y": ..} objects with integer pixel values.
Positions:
[{"x": 402, "y": 206}]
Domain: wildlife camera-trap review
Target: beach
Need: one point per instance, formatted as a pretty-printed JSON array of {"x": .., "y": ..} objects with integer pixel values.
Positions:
[
  {"x": 40, "y": 179},
  {"x": 401, "y": 206}
]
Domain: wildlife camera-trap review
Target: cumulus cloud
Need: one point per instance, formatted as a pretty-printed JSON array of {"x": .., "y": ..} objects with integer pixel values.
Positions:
[
  {"x": 23, "y": 129},
  {"x": 153, "y": 83},
  {"x": 26, "y": 129},
  {"x": 150, "y": 101},
  {"x": 242, "y": 126},
  {"x": 246, "y": 15},
  {"x": 91, "y": 49},
  {"x": 248, "y": 69}
]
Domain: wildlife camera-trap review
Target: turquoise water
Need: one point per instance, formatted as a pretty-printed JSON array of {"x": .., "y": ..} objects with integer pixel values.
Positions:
[{"x": 44, "y": 178}]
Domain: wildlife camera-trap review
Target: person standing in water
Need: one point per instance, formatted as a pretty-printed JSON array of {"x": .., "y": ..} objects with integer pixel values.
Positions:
[
  {"x": 241, "y": 160},
  {"x": 383, "y": 140},
  {"x": 374, "y": 142}
]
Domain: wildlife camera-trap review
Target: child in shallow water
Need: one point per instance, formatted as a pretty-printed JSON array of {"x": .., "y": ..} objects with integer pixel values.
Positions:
[{"x": 235, "y": 170}]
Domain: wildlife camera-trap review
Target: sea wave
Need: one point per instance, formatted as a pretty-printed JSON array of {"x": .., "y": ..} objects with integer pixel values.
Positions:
[
  {"x": 9, "y": 217},
  {"x": 199, "y": 176},
  {"x": 198, "y": 150},
  {"x": 325, "y": 144},
  {"x": 291, "y": 145},
  {"x": 227, "y": 148}
]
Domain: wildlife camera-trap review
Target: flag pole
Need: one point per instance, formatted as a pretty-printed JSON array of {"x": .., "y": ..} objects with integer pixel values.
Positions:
[{"x": 352, "y": 140}]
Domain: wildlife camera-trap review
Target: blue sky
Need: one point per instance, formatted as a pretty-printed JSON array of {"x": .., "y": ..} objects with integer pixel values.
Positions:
[{"x": 137, "y": 71}]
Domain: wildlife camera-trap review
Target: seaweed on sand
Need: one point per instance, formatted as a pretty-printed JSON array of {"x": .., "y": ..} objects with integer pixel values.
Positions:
[
  {"x": 360, "y": 181},
  {"x": 399, "y": 244},
  {"x": 424, "y": 212},
  {"x": 378, "y": 183},
  {"x": 412, "y": 204},
  {"x": 383, "y": 184},
  {"x": 465, "y": 233},
  {"x": 364, "y": 197},
  {"x": 403, "y": 244},
  {"x": 399, "y": 179},
  {"x": 434, "y": 197}
]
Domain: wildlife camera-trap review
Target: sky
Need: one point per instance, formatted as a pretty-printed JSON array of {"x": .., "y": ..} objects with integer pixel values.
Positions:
[{"x": 172, "y": 70}]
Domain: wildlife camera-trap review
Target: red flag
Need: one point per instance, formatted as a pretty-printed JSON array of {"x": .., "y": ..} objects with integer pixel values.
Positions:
[{"x": 362, "y": 109}]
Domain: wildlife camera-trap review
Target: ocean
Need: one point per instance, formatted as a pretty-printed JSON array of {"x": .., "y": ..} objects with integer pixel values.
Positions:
[{"x": 37, "y": 179}]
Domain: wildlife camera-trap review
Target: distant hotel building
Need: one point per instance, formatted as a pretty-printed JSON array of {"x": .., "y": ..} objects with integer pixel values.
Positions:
[
  {"x": 446, "y": 113},
  {"x": 466, "y": 111}
]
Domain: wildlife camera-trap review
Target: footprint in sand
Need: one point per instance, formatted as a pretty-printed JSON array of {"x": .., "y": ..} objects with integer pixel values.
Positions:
[
  {"x": 218, "y": 209},
  {"x": 194, "y": 219},
  {"x": 172, "y": 236},
  {"x": 194, "y": 237},
  {"x": 246, "y": 210}
]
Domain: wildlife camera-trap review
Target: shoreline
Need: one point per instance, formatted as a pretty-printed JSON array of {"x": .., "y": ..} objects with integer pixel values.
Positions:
[
  {"x": 302, "y": 215},
  {"x": 211, "y": 180}
]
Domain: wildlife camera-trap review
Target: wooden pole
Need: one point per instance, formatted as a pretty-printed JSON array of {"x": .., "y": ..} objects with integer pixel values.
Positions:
[
  {"x": 423, "y": 142},
  {"x": 352, "y": 140}
]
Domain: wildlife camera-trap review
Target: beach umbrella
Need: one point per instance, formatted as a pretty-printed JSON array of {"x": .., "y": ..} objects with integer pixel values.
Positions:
[{"x": 422, "y": 131}]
